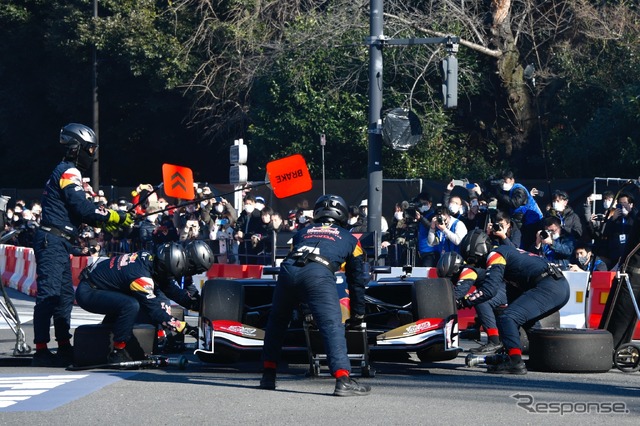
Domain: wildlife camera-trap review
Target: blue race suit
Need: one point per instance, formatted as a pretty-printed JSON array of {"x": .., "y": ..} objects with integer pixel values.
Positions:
[
  {"x": 119, "y": 287},
  {"x": 313, "y": 282},
  {"x": 64, "y": 208},
  {"x": 470, "y": 276},
  {"x": 541, "y": 290}
]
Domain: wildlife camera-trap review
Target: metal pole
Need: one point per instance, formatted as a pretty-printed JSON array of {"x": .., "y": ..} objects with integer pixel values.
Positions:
[
  {"x": 374, "y": 220},
  {"x": 323, "y": 142},
  {"x": 95, "y": 172}
]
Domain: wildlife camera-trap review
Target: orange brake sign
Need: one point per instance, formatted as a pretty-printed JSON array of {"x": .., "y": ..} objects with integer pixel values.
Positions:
[
  {"x": 178, "y": 181},
  {"x": 289, "y": 176}
]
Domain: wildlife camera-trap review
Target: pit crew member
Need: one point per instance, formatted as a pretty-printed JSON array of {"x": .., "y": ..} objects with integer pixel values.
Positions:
[
  {"x": 64, "y": 208},
  {"x": 451, "y": 265},
  {"x": 119, "y": 287},
  {"x": 539, "y": 289},
  {"x": 307, "y": 275}
]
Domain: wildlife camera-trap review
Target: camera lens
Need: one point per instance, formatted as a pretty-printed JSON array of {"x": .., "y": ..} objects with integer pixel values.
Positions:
[{"x": 544, "y": 234}]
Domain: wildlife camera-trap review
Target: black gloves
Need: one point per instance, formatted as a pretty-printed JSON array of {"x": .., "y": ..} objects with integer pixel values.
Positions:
[
  {"x": 195, "y": 303},
  {"x": 191, "y": 330},
  {"x": 463, "y": 303}
]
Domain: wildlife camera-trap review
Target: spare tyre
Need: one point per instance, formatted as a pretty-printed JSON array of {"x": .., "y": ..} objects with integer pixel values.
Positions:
[
  {"x": 550, "y": 321},
  {"x": 570, "y": 350}
]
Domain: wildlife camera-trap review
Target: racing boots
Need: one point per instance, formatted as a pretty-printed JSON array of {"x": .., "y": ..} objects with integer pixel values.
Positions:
[
  {"x": 118, "y": 356},
  {"x": 346, "y": 386},
  {"x": 487, "y": 349},
  {"x": 508, "y": 366},
  {"x": 65, "y": 355},
  {"x": 45, "y": 358},
  {"x": 268, "y": 380}
]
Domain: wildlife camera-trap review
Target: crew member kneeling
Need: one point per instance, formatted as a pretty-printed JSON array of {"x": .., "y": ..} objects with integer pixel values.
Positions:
[
  {"x": 535, "y": 290},
  {"x": 307, "y": 275},
  {"x": 119, "y": 287}
]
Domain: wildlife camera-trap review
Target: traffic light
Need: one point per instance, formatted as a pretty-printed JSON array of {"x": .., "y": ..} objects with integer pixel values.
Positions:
[{"x": 450, "y": 81}]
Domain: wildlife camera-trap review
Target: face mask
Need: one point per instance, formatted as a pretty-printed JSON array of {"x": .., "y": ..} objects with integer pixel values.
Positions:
[
  {"x": 191, "y": 208},
  {"x": 398, "y": 215},
  {"x": 625, "y": 211},
  {"x": 454, "y": 208},
  {"x": 352, "y": 220},
  {"x": 555, "y": 236},
  {"x": 249, "y": 208},
  {"x": 425, "y": 208},
  {"x": 506, "y": 186},
  {"x": 607, "y": 203},
  {"x": 557, "y": 206},
  {"x": 219, "y": 208},
  {"x": 583, "y": 259},
  {"x": 302, "y": 219}
]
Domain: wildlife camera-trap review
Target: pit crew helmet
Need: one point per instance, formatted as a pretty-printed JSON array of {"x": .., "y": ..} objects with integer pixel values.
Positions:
[
  {"x": 450, "y": 264},
  {"x": 330, "y": 208},
  {"x": 199, "y": 257},
  {"x": 170, "y": 260},
  {"x": 80, "y": 143},
  {"x": 474, "y": 247}
]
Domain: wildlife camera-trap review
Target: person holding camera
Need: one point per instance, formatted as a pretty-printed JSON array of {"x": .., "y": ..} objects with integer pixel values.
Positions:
[
  {"x": 617, "y": 229},
  {"x": 554, "y": 243},
  {"x": 568, "y": 218},
  {"x": 523, "y": 209},
  {"x": 502, "y": 231},
  {"x": 446, "y": 232}
]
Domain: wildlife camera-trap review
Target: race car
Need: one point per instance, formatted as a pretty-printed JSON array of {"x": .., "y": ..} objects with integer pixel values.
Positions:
[{"x": 403, "y": 314}]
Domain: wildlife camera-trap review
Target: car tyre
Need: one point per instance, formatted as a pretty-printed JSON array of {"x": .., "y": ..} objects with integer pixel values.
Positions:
[
  {"x": 434, "y": 298},
  {"x": 570, "y": 350}
]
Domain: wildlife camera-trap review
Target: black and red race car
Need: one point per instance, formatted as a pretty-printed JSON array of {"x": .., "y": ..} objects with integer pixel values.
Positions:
[{"x": 403, "y": 314}]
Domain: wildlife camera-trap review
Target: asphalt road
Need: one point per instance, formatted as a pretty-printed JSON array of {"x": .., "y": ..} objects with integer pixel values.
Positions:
[{"x": 403, "y": 392}]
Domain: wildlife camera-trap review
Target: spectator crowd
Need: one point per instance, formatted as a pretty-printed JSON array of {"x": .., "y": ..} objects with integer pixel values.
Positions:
[{"x": 417, "y": 233}]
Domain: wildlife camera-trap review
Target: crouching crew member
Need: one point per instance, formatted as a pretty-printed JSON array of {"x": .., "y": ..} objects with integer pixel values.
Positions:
[
  {"x": 119, "y": 287},
  {"x": 451, "y": 265},
  {"x": 64, "y": 208},
  {"x": 536, "y": 290},
  {"x": 307, "y": 275}
]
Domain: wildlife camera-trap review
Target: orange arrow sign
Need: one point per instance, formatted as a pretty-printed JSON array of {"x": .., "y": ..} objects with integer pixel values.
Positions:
[
  {"x": 289, "y": 176},
  {"x": 178, "y": 181}
]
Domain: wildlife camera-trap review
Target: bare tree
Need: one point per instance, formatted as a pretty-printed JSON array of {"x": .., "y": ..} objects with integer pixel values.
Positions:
[{"x": 236, "y": 42}]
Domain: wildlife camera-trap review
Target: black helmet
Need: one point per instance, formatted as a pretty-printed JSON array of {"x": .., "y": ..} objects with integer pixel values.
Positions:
[
  {"x": 450, "y": 264},
  {"x": 330, "y": 208},
  {"x": 170, "y": 260},
  {"x": 78, "y": 140},
  {"x": 474, "y": 247},
  {"x": 199, "y": 257}
]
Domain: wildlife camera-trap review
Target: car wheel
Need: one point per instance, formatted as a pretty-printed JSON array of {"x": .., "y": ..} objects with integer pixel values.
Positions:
[
  {"x": 434, "y": 298},
  {"x": 570, "y": 350},
  {"x": 627, "y": 358},
  {"x": 222, "y": 300}
]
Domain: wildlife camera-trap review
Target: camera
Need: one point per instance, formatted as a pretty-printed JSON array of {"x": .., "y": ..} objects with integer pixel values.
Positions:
[
  {"x": 544, "y": 234},
  {"x": 410, "y": 213},
  {"x": 497, "y": 227},
  {"x": 496, "y": 182},
  {"x": 440, "y": 219},
  {"x": 599, "y": 217}
]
